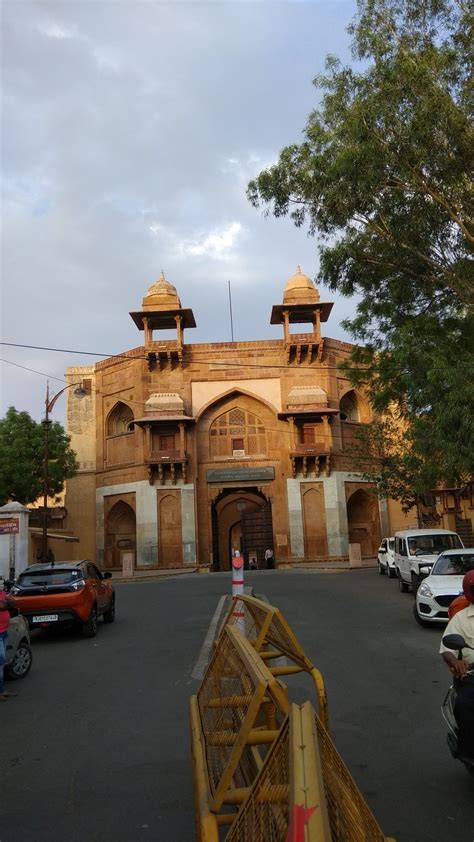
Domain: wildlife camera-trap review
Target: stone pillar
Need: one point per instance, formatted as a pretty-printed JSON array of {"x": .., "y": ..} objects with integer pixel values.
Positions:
[
  {"x": 13, "y": 539},
  {"x": 147, "y": 525},
  {"x": 291, "y": 423},
  {"x": 188, "y": 524},
  {"x": 182, "y": 443},
  {"x": 179, "y": 331},
  {"x": 286, "y": 326},
  {"x": 295, "y": 518},
  {"x": 336, "y": 516}
]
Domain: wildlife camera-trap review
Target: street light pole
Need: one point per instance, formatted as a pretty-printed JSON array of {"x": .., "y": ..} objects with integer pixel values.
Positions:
[{"x": 79, "y": 392}]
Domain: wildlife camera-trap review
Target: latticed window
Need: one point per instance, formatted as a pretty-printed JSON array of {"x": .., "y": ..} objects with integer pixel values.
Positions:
[{"x": 235, "y": 431}]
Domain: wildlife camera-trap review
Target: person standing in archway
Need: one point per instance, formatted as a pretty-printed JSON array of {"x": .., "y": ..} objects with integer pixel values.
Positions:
[{"x": 269, "y": 558}]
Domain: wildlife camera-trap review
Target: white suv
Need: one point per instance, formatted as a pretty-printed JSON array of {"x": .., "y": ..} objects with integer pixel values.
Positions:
[{"x": 417, "y": 548}]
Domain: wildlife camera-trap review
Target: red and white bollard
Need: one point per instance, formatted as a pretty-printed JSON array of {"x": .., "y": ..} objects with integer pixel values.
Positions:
[{"x": 238, "y": 613}]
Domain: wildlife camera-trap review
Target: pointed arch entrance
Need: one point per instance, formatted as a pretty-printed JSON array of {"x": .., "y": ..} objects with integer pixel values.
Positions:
[
  {"x": 242, "y": 520},
  {"x": 120, "y": 533},
  {"x": 364, "y": 521}
]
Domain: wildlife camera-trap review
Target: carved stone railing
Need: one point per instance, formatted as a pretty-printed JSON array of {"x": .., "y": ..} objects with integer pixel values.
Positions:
[
  {"x": 166, "y": 463},
  {"x": 310, "y": 457}
]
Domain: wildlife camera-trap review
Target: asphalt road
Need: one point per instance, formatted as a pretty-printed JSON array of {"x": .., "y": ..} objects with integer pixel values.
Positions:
[{"x": 96, "y": 745}]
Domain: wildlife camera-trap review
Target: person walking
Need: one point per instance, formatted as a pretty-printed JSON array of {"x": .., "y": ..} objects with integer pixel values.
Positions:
[{"x": 4, "y": 623}]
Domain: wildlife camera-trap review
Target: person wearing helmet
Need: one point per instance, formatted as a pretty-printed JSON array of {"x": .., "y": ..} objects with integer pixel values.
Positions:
[{"x": 463, "y": 669}]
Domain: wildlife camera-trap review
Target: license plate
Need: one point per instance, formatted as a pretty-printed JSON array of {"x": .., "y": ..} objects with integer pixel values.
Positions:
[{"x": 45, "y": 618}]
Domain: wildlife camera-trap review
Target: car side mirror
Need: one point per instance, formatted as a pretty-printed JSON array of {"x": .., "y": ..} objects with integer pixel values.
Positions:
[
  {"x": 107, "y": 575},
  {"x": 424, "y": 572}
]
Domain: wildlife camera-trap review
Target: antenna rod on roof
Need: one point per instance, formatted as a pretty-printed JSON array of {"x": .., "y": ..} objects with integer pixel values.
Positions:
[{"x": 230, "y": 311}]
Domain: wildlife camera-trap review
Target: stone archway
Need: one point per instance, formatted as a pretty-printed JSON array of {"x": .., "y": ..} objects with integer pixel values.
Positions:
[
  {"x": 242, "y": 520},
  {"x": 120, "y": 533},
  {"x": 364, "y": 522}
]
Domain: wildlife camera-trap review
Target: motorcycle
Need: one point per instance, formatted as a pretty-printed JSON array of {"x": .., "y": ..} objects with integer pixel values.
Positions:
[{"x": 455, "y": 642}]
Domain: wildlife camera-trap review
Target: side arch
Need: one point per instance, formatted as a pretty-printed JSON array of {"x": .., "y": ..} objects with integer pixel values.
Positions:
[
  {"x": 120, "y": 533},
  {"x": 364, "y": 521}
]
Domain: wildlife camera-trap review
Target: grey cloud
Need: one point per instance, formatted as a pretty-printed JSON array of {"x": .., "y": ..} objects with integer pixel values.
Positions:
[{"x": 130, "y": 131}]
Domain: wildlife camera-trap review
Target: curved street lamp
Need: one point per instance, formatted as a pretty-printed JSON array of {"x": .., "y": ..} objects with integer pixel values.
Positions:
[{"x": 79, "y": 392}]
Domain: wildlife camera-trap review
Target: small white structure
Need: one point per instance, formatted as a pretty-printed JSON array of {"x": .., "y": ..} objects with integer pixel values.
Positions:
[{"x": 13, "y": 539}]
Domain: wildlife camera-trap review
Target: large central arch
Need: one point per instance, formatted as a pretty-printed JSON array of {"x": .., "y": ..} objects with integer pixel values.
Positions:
[{"x": 241, "y": 520}]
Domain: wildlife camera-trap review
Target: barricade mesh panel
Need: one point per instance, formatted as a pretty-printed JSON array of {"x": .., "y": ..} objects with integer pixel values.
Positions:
[
  {"x": 279, "y": 634},
  {"x": 265, "y": 814},
  {"x": 349, "y": 815},
  {"x": 226, "y": 678}
]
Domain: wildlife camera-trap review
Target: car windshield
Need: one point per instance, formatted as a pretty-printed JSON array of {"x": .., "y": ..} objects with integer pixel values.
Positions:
[
  {"x": 433, "y": 544},
  {"x": 391, "y": 543},
  {"x": 45, "y": 578},
  {"x": 453, "y": 565}
]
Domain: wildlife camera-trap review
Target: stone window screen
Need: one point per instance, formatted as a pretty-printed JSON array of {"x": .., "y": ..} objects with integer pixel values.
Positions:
[{"x": 237, "y": 425}]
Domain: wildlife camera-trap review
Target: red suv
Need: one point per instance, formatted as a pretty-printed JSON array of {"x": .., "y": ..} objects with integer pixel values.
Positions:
[{"x": 69, "y": 592}]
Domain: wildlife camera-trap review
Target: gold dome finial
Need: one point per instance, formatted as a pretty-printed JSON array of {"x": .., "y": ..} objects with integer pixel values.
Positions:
[
  {"x": 299, "y": 289},
  {"x": 161, "y": 295}
]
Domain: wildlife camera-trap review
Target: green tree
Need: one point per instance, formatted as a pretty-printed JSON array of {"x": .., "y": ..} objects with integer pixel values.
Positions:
[
  {"x": 22, "y": 458},
  {"x": 384, "y": 178}
]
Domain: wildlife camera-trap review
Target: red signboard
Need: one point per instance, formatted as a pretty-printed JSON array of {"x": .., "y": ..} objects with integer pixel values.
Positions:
[{"x": 9, "y": 527}]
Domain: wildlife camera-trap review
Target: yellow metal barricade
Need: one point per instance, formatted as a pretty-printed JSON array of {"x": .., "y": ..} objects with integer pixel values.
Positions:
[
  {"x": 272, "y": 638},
  {"x": 265, "y": 770},
  {"x": 235, "y": 717}
]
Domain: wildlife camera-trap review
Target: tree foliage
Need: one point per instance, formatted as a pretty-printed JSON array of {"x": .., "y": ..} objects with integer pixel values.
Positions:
[
  {"x": 384, "y": 177},
  {"x": 22, "y": 458}
]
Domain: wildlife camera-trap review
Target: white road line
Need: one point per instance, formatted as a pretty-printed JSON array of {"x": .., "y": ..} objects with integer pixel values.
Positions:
[{"x": 203, "y": 658}]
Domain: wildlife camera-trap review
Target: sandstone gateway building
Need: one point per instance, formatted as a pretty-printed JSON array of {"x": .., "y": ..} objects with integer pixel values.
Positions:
[{"x": 189, "y": 450}]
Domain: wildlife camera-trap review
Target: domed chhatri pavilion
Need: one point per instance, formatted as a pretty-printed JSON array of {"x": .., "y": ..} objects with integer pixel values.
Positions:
[{"x": 188, "y": 451}]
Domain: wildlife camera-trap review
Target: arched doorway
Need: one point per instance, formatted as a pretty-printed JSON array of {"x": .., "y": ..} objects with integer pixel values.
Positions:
[
  {"x": 120, "y": 533},
  {"x": 364, "y": 522},
  {"x": 242, "y": 520}
]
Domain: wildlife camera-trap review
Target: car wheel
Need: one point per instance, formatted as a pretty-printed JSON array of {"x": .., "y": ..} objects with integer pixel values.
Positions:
[
  {"x": 415, "y": 583},
  {"x": 109, "y": 616},
  {"x": 21, "y": 663},
  {"x": 402, "y": 584},
  {"x": 390, "y": 572},
  {"x": 381, "y": 570},
  {"x": 417, "y": 617},
  {"x": 89, "y": 628}
]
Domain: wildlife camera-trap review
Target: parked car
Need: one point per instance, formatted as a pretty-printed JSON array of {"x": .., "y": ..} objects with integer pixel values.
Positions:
[
  {"x": 386, "y": 558},
  {"x": 444, "y": 583},
  {"x": 416, "y": 548},
  {"x": 18, "y": 651},
  {"x": 69, "y": 592}
]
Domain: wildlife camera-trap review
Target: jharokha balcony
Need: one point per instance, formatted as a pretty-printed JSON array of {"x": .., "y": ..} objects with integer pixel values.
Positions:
[
  {"x": 310, "y": 457},
  {"x": 166, "y": 464}
]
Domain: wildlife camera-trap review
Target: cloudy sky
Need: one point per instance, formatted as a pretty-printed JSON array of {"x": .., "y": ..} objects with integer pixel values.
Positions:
[{"x": 129, "y": 133}]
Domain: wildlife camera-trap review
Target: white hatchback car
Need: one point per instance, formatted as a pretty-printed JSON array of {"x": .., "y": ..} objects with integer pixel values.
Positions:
[
  {"x": 386, "y": 558},
  {"x": 444, "y": 583}
]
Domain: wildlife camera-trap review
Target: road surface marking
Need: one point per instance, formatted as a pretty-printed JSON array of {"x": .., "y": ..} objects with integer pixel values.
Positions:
[{"x": 203, "y": 657}]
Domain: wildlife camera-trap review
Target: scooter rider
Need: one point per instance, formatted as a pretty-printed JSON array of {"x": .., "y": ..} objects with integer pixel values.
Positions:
[{"x": 463, "y": 624}]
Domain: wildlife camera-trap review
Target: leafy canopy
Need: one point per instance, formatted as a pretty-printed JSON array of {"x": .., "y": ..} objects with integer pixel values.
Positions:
[
  {"x": 384, "y": 177},
  {"x": 22, "y": 458}
]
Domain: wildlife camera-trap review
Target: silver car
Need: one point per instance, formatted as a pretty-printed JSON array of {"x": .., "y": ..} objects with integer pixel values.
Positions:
[{"x": 18, "y": 650}]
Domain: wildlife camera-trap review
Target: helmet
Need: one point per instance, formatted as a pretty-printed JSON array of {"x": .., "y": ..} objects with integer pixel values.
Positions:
[{"x": 468, "y": 585}]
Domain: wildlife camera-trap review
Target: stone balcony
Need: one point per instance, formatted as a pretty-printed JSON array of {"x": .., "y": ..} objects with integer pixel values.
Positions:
[
  {"x": 166, "y": 464},
  {"x": 309, "y": 458}
]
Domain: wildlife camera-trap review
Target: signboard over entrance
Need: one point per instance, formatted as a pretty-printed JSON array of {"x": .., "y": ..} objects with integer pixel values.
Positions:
[
  {"x": 240, "y": 474},
  {"x": 10, "y": 526}
]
